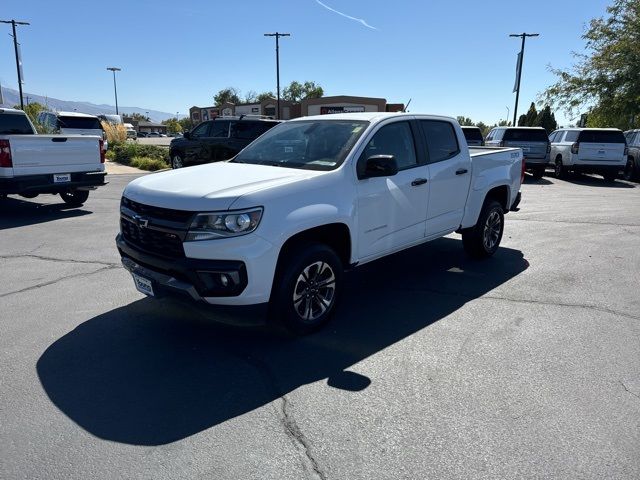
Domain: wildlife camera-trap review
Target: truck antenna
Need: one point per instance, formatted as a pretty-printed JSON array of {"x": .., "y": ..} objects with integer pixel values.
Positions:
[{"x": 404, "y": 110}]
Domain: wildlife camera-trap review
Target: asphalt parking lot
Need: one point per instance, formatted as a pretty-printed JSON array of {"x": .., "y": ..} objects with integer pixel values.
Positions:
[{"x": 526, "y": 365}]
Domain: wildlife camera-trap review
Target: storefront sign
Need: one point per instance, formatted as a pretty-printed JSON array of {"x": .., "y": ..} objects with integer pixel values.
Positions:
[{"x": 351, "y": 109}]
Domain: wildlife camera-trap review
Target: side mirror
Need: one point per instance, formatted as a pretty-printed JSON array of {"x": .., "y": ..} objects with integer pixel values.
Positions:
[
  {"x": 187, "y": 134},
  {"x": 380, "y": 166}
]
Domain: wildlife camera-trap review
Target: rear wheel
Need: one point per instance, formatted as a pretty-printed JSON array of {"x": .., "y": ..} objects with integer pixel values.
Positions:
[
  {"x": 630, "y": 170},
  {"x": 176, "y": 161},
  {"x": 75, "y": 198},
  {"x": 483, "y": 239},
  {"x": 306, "y": 288},
  {"x": 560, "y": 170}
]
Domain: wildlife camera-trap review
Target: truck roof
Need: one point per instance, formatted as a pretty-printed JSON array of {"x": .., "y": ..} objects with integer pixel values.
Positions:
[
  {"x": 373, "y": 117},
  {"x": 12, "y": 111},
  {"x": 76, "y": 114}
]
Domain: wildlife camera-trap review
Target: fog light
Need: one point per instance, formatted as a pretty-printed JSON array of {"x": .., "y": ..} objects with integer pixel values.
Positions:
[{"x": 224, "y": 280}]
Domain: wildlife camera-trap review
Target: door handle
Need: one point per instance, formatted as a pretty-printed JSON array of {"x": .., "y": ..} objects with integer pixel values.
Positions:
[
  {"x": 418, "y": 181},
  {"x": 461, "y": 171}
]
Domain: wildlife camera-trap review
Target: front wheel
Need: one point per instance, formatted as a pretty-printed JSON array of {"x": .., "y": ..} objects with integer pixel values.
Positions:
[
  {"x": 483, "y": 239},
  {"x": 306, "y": 288},
  {"x": 177, "y": 162},
  {"x": 75, "y": 198}
]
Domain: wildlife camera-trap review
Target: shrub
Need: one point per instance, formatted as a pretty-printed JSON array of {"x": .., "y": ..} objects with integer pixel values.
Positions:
[
  {"x": 125, "y": 152},
  {"x": 147, "y": 163},
  {"x": 116, "y": 133}
]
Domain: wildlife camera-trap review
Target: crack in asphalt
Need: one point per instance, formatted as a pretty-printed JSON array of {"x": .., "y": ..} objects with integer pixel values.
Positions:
[
  {"x": 289, "y": 423},
  {"x": 51, "y": 282},
  {"x": 524, "y": 300},
  {"x": 60, "y": 260},
  {"x": 627, "y": 390}
]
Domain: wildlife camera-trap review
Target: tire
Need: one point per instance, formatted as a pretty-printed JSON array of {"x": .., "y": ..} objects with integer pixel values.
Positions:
[
  {"x": 177, "y": 161},
  {"x": 538, "y": 173},
  {"x": 75, "y": 198},
  {"x": 483, "y": 239},
  {"x": 560, "y": 170},
  {"x": 630, "y": 170},
  {"x": 300, "y": 306}
]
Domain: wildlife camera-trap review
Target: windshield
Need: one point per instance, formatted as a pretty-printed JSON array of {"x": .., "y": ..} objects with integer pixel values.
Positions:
[
  {"x": 472, "y": 134},
  {"x": 85, "y": 123},
  {"x": 312, "y": 144}
]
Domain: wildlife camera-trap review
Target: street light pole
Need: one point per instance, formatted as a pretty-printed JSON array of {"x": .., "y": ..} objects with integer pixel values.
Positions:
[
  {"x": 115, "y": 89},
  {"x": 15, "y": 48},
  {"x": 277, "y": 35},
  {"x": 521, "y": 60}
]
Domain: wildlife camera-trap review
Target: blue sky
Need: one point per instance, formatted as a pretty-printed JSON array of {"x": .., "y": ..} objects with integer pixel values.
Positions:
[{"x": 450, "y": 57}]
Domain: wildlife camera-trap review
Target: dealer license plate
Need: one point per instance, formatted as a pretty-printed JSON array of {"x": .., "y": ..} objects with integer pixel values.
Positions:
[
  {"x": 61, "y": 177},
  {"x": 144, "y": 285}
]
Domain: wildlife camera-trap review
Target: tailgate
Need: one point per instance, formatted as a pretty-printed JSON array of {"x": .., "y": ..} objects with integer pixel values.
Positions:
[
  {"x": 530, "y": 150},
  {"x": 601, "y": 153},
  {"x": 43, "y": 154}
]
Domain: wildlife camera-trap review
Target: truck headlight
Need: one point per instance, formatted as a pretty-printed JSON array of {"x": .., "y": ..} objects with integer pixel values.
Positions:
[{"x": 209, "y": 226}]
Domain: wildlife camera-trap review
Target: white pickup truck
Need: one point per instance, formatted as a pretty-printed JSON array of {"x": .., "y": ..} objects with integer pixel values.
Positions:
[
  {"x": 271, "y": 231},
  {"x": 31, "y": 164}
]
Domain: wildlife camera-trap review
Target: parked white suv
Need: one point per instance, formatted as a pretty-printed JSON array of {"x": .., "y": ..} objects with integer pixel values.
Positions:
[
  {"x": 273, "y": 228},
  {"x": 588, "y": 150},
  {"x": 72, "y": 123}
]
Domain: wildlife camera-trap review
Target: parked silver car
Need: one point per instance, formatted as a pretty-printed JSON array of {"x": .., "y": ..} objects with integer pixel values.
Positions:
[
  {"x": 632, "y": 169},
  {"x": 533, "y": 141}
]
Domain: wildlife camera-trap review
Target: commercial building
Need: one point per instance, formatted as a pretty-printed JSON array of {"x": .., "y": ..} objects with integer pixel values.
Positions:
[
  {"x": 289, "y": 110},
  {"x": 144, "y": 126}
]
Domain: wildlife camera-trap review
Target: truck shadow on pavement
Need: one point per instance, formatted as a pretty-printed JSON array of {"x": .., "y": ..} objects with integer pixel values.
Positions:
[
  {"x": 149, "y": 374},
  {"x": 15, "y": 212}
]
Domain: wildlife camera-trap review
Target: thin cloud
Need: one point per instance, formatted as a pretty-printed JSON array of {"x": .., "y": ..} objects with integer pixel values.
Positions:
[{"x": 359, "y": 20}]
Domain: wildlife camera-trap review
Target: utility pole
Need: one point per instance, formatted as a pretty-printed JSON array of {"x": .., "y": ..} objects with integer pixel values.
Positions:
[
  {"x": 115, "y": 89},
  {"x": 522, "y": 35},
  {"x": 18, "y": 59},
  {"x": 277, "y": 35}
]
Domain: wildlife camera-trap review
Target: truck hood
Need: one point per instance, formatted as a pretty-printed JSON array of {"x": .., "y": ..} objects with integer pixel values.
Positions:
[{"x": 209, "y": 187}]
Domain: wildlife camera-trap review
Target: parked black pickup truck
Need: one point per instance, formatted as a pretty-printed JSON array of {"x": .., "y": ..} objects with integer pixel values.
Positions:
[{"x": 218, "y": 139}]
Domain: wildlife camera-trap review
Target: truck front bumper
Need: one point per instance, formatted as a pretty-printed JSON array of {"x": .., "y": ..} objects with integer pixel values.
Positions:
[
  {"x": 35, "y": 184},
  {"x": 194, "y": 282}
]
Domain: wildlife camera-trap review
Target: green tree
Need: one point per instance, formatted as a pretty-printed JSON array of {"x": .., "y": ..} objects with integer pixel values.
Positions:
[
  {"x": 173, "y": 125},
  {"x": 532, "y": 115},
  {"x": 546, "y": 120},
  {"x": 137, "y": 116},
  {"x": 229, "y": 94},
  {"x": 522, "y": 121},
  {"x": 185, "y": 124},
  {"x": 264, "y": 96},
  {"x": 605, "y": 81},
  {"x": 32, "y": 110},
  {"x": 297, "y": 91},
  {"x": 464, "y": 121}
]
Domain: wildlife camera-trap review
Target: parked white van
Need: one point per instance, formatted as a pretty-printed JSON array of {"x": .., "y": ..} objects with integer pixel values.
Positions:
[{"x": 588, "y": 150}]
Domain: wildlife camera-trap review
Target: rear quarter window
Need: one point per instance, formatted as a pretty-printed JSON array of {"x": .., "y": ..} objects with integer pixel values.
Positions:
[
  {"x": 601, "y": 136},
  {"x": 526, "y": 135}
]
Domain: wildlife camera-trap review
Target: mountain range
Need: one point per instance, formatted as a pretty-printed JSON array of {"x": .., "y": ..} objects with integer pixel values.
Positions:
[{"x": 12, "y": 97}]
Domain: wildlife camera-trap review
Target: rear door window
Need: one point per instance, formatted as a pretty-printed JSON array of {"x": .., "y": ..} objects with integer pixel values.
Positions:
[
  {"x": 442, "y": 142},
  {"x": 572, "y": 136},
  {"x": 219, "y": 129},
  {"x": 13, "y": 124},
  {"x": 601, "y": 136},
  {"x": 526, "y": 135},
  {"x": 249, "y": 130},
  {"x": 84, "y": 123}
]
